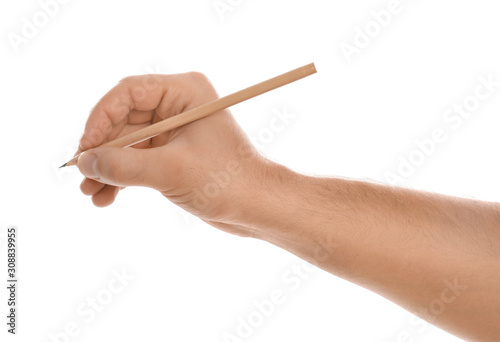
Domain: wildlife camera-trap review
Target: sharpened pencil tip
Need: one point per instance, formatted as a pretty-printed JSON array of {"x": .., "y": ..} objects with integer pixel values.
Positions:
[{"x": 63, "y": 165}]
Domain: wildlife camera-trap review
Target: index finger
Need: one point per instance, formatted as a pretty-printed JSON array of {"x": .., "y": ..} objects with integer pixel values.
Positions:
[{"x": 142, "y": 93}]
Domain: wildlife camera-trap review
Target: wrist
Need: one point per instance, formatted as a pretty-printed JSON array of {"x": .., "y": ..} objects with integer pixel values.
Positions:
[
  {"x": 272, "y": 204},
  {"x": 301, "y": 214}
]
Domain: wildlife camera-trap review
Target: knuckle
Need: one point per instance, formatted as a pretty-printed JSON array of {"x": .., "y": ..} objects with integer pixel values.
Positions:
[
  {"x": 128, "y": 79},
  {"x": 199, "y": 77},
  {"x": 204, "y": 88},
  {"x": 117, "y": 172}
]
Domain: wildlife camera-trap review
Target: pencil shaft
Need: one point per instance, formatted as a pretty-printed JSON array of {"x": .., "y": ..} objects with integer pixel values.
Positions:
[{"x": 207, "y": 109}]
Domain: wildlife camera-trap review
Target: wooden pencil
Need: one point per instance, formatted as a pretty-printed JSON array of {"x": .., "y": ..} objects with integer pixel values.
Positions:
[{"x": 206, "y": 109}]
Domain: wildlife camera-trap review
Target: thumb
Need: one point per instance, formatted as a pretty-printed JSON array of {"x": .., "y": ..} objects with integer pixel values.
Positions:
[{"x": 123, "y": 166}]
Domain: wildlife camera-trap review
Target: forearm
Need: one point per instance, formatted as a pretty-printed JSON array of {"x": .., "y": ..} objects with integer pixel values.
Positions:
[{"x": 436, "y": 256}]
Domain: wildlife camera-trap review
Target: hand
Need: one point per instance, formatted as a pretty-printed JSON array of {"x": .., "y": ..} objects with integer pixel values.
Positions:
[
  {"x": 434, "y": 255},
  {"x": 204, "y": 167}
]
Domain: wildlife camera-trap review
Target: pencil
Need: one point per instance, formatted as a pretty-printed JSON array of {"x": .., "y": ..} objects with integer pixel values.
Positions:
[{"x": 206, "y": 109}]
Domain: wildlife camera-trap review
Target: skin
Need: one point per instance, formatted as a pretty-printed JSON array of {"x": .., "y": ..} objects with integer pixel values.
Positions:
[{"x": 434, "y": 255}]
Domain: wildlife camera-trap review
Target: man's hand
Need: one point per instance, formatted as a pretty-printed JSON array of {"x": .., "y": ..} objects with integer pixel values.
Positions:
[
  {"x": 437, "y": 256},
  {"x": 203, "y": 166}
]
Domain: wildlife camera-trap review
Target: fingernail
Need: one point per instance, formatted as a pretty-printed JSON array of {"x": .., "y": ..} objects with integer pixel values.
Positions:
[{"x": 87, "y": 163}]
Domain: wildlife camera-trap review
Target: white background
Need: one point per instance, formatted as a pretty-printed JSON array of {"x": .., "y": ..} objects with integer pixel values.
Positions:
[{"x": 192, "y": 282}]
